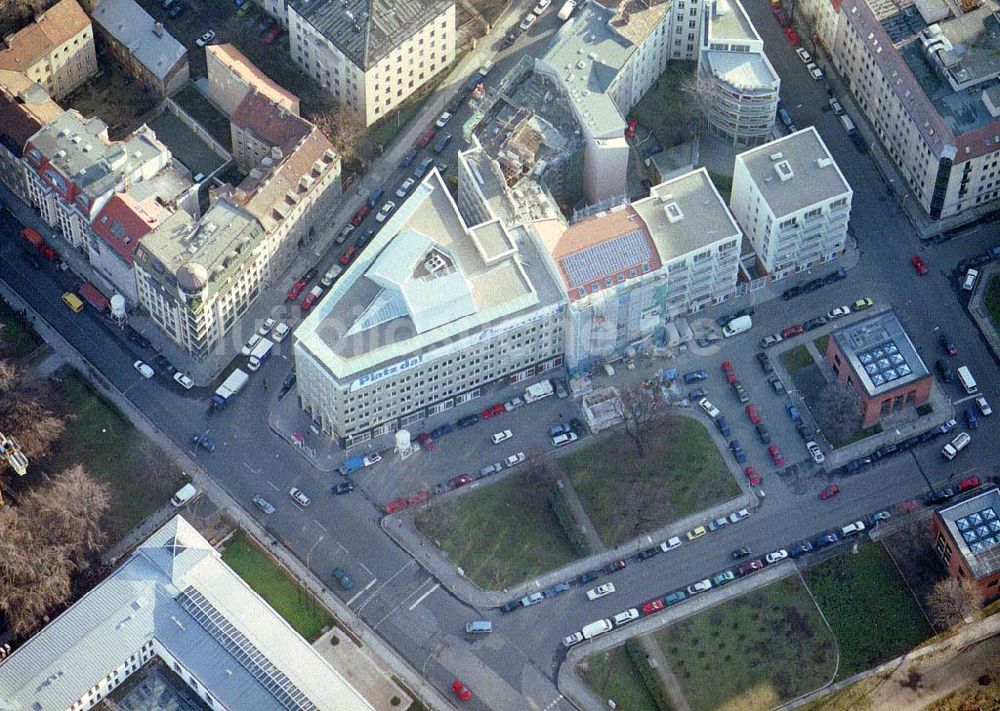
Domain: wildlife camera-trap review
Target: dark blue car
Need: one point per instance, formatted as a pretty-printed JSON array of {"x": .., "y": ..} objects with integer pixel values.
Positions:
[
  {"x": 970, "y": 418},
  {"x": 723, "y": 426},
  {"x": 695, "y": 375},
  {"x": 203, "y": 442}
]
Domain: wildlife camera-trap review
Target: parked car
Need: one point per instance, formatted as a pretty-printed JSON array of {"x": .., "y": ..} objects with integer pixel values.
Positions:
[
  {"x": 425, "y": 138},
  {"x": 344, "y": 487},
  {"x": 829, "y": 492},
  {"x": 775, "y": 382},
  {"x": 262, "y": 503},
  {"x": 971, "y": 483},
  {"x": 741, "y": 393},
  {"x": 726, "y": 576},
  {"x": 653, "y": 606},
  {"x": 765, "y": 363},
  {"x": 838, "y": 109},
  {"x": 753, "y": 414},
  {"x": 814, "y": 323},
  {"x": 970, "y": 417},
  {"x": 556, "y": 589},
  {"x": 723, "y": 426},
  {"x": 695, "y": 375},
  {"x": 947, "y": 343},
  {"x": 205, "y": 38},
  {"x": 490, "y": 469},
  {"x": 728, "y": 372},
  {"x": 513, "y": 404},
  {"x": 293, "y": 294},
  {"x": 614, "y": 567},
  {"x": 493, "y": 410},
  {"x": 183, "y": 380},
  {"x": 918, "y": 265},
  {"x": 443, "y": 120},
  {"x": 768, "y": 341},
  {"x": 501, "y": 436},
  {"x": 776, "y": 556},
  {"x": 838, "y": 312},
  {"x": 738, "y": 454},
  {"x": 815, "y": 71},
  {"x": 750, "y": 566},
  {"x": 625, "y": 617},
  {"x": 532, "y": 599},
  {"x": 697, "y": 394},
  {"x": 776, "y": 456},
  {"x": 299, "y": 496},
  {"x": 740, "y": 553},
  {"x": 699, "y": 587},
  {"x": 945, "y": 371},
  {"x": 360, "y": 215},
  {"x": 762, "y": 433},
  {"x": 737, "y": 516},
  {"x": 852, "y": 529},
  {"x": 984, "y": 406},
  {"x": 145, "y": 370},
  {"x": 467, "y": 421},
  {"x": 674, "y": 597},
  {"x": 696, "y": 533},
  {"x": 752, "y": 477},
  {"x": 710, "y": 409},
  {"x": 203, "y": 442},
  {"x": 827, "y": 539},
  {"x": 670, "y": 544},
  {"x": 803, "y": 55},
  {"x": 459, "y": 481},
  {"x": 383, "y": 214},
  {"x": 513, "y": 605},
  {"x": 564, "y": 439},
  {"x": 514, "y": 459},
  {"x": 528, "y": 21},
  {"x": 348, "y": 256},
  {"x": 793, "y": 330},
  {"x": 862, "y": 304},
  {"x": 461, "y": 690},
  {"x": 800, "y": 548},
  {"x": 571, "y": 639}
]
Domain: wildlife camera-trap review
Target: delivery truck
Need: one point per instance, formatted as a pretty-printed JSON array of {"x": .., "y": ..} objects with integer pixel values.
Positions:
[
  {"x": 259, "y": 355},
  {"x": 567, "y": 9},
  {"x": 351, "y": 465},
  {"x": 229, "y": 388},
  {"x": 538, "y": 391},
  {"x": 740, "y": 324}
]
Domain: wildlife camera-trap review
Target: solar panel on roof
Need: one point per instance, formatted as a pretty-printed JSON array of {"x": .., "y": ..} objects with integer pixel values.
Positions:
[{"x": 609, "y": 257}]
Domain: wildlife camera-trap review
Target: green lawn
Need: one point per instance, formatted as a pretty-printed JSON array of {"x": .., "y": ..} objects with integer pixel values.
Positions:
[
  {"x": 796, "y": 358},
  {"x": 992, "y": 300},
  {"x": 111, "y": 449},
  {"x": 665, "y": 109},
  {"x": 613, "y": 675},
  {"x": 499, "y": 535},
  {"x": 681, "y": 473},
  {"x": 724, "y": 184},
  {"x": 869, "y": 607},
  {"x": 821, "y": 344},
  {"x": 271, "y": 582},
  {"x": 752, "y": 652}
]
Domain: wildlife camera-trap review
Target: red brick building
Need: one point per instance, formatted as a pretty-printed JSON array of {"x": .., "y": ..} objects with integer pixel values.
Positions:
[
  {"x": 967, "y": 537},
  {"x": 877, "y": 358}
]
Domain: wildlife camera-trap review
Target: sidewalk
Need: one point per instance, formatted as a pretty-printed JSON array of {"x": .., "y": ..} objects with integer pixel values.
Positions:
[{"x": 345, "y": 617}]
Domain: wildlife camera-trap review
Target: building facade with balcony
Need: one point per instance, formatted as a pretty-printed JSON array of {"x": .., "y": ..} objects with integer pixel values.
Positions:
[
  {"x": 792, "y": 202},
  {"x": 372, "y": 56}
]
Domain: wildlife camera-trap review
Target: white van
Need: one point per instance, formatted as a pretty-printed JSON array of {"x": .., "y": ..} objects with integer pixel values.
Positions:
[
  {"x": 952, "y": 449},
  {"x": 478, "y": 627},
  {"x": 596, "y": 628},
  {"x": 848, "y": 125},
  {"x": 970, "y": 279},
  {"x": 967, "y": 381},
  {"x": 183, "y": 495},
  {"x": 280, "y": 331}
]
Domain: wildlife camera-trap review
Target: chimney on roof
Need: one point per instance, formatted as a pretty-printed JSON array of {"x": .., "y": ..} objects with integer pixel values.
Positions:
[{"x": 158, "y": 29}]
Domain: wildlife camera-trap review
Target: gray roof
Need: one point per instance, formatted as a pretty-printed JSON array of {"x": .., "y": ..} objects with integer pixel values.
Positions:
[
  {"x": 974, "y": 524},
  {"x": 730, "y": 22},
  {"x": 880, "y": 353},
  {"x": 79, "y": 149},
  {"x": 815, "y": 176},
  {"x": 176, "y": 591},
  {"x": 133, "y": 27},
  {"x": 368, "y": 30}
]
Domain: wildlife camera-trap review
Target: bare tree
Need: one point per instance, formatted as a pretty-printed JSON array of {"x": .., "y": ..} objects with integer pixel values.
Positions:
[
  {"x": 344, "y": 129},
  {"x": 640, "y": 409},
  {"x": 699, "y": 95},
  {"x": 838, "y": 409},
  {"x": 34, "y": 426},
  {"x": 951, "y": 601},
  {"x": 10, "y": 375},
  {"x": 67, "y": 512}
]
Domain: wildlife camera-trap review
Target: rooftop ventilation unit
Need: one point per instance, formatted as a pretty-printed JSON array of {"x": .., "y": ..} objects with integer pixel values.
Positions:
[
  {"x": 776, "y": 156},
  {"x": 784, "y": 170},
  {"x": 673, "y": 212},
  {"x": 824, "y": 162}
]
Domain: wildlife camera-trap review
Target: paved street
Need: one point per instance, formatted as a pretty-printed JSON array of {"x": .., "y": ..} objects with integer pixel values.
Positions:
[{"x": 516, "y": 666}]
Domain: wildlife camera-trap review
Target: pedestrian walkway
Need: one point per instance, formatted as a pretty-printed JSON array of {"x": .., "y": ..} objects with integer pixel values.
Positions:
[
  {"x": 590, "y": 536},
  {"x": 658, "y": 661}
]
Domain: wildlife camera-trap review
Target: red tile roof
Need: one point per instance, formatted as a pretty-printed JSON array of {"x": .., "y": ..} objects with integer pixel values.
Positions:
[
  {"x": 61, "y": 22},
  {"x": 269, "y": 122},
  {"x": 122, "y": 223},
  {"x": 246, "y": 70},
  {"x": 16, "y": 124}
]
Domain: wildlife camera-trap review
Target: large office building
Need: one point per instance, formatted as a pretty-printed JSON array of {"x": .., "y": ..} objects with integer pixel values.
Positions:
[
  {"x": 878, "y": 360},
  {"x": 432, "y": 314},
  {"x": 56, "y": 51},
  {"x": 627, "y": 270},
  {"x": 739, "y": 84},
  {"x": 176, "y": 601},
  {"x": 967, "y": 537},
  {"x": 928, "y": 80},
  {"x": 371, "y": 56},
  {"x": 792, "y": 202}
]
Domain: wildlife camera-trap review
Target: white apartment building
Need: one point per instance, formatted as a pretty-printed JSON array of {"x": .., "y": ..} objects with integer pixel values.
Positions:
[
  {"x": 430, "y": 315},
  {"x": 736, "y": 75},
  {"x": 372, "y": 56},
  {"x": 930, "y": 95},
  {"x": 196, "y": 278},
  {"x": 174, "y": 600},
  {"x": 56, "y": 51},
  {"x": 604, "y": 59},
  {"x": 627, "y": 270},
  {"x": 73, "y": 169},
  {"x": 792, "y": 202}
]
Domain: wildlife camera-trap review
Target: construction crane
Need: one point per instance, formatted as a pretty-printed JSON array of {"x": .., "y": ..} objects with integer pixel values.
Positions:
[{"x": 10, "y": 452}]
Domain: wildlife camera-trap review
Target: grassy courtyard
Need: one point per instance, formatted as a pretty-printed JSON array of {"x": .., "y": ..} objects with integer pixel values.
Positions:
[
  {"x": 272, "y": 583},
  {"x": 499, "y": 535},
  {"x": 613, "y": 675},
  {"x": 681, "y": 473},
  {"x": 772, "y": 645},
  {"x": 869, "y": 608},
  {"x": 110, "y": 448},
  {"x": 666, "y": 109},
  {"x": 16, "y": 340}
]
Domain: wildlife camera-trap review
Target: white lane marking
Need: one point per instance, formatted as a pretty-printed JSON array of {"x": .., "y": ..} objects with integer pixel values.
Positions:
[
  {"x": 386, "y": 582},
  {"x": 273, "y": 485},
  {"x": 554, "y": 701},
  {"x": 320, "y": 525},
  {"x": 359, "y": 593},
  {"x": 422, "y": 597}
]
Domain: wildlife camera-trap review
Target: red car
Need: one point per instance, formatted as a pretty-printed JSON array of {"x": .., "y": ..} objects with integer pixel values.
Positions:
[
  {"x": 919, "y": 265},
  {"x": 493, "y": 410},
  {"x": 750, "y": 566},
  {"x": 612, "y": 567},
  {"x": 829, "y": 492},
  {"x": 395, "y": 505},
  {"x": 971, "y": 483},
  {"x": 461, "y": 691},
  {"x": 459, "y": 481},
  {"x": 348, "y": 256},
  {"x": 790, "y": 331},
  {"x": 652, "y": 606},
  {"x": 753, "y": 414},
  {"x": 727, "y": 369},
  {"x": 752, "y": 476},
  {"x": 425, "y": 441},
  {"x": 776, "y": 456},
  {"x": 417, "y": 498},
  {"x": 792, "y": 36},
  {"x": 359, "y": 215},
  {"x": 296, "y": 289},
  {"x": 426, "y": 138},
  {"x": 307, "y": 303}
]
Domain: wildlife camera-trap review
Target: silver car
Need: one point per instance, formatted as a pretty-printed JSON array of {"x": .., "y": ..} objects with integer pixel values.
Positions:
[{"x": 263, "y": 504}]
